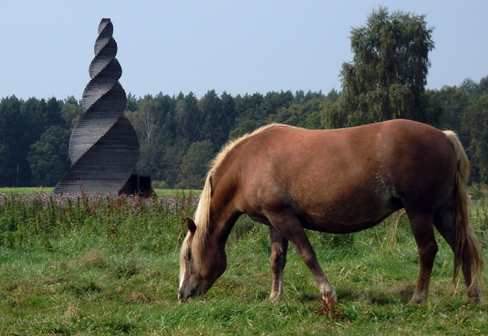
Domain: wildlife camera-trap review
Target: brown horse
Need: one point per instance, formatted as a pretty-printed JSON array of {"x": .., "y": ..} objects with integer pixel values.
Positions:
[{"x": 336, "y": 181}]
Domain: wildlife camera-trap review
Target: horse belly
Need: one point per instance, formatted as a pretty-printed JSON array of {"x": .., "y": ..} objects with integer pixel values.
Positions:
[
  {"x": 346, "y": 209},
  {"x": 334, "y": 223}
]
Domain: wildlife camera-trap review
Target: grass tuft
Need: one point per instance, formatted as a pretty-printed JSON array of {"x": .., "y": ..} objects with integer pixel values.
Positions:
[{"x": 95, "y": 258}]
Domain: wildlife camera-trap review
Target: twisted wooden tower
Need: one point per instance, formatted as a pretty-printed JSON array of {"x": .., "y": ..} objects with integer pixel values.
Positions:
[{"x": 103, "y": 147}]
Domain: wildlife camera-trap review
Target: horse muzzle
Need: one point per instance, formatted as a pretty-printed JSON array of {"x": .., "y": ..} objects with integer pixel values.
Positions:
[{"x": 182, "y": 296}]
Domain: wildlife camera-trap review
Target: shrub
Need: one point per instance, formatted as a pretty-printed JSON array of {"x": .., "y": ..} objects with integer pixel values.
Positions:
[{"x": 160, "y": 185}]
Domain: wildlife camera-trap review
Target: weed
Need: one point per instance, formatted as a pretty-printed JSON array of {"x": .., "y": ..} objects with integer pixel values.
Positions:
[
  {"x": 329, "y": 308},
  {"x": 126, "y": 269},
  {"x": 95, "y": 258}
]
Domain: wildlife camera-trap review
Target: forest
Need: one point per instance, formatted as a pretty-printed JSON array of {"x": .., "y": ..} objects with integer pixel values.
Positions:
[{"x": 180, "y": 134}]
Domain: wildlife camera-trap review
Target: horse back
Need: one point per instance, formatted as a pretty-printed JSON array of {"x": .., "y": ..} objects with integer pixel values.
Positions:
[{"x": 350, "y": 177}]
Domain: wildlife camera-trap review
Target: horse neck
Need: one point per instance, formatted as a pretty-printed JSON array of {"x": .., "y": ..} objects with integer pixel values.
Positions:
[
  {"x": 214, "y": 223},
  {"x": 209, "y": 243},
  {"x": 216, "y": 213},
  {"x": 224, "y": 227}
]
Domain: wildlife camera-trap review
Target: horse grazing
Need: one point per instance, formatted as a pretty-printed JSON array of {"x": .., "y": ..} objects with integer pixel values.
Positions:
[{"x": 335, "y": 181}]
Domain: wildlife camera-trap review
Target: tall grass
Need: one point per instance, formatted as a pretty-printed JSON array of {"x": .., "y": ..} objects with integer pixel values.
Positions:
[
  {"x": 108, "y": 265},
  {"x": 126, "y": 222},
  {"x": 159, "y": 192}
]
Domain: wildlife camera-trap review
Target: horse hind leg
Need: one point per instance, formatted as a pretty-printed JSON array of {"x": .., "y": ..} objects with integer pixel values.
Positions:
[
  {"x": 292, "y": 230},
  {"x": 423, "y": 231},
  {"x": 444, "y": 223},
  {"x": 279, "y": 246}
]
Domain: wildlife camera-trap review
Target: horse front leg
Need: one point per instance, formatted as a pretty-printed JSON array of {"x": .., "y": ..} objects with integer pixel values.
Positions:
[
  {"x": 279, "y": 246},
  {"x": 291, "y": 228}
]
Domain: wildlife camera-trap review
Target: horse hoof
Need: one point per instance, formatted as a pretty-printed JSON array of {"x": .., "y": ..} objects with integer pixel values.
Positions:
[
  {"x": 474, "y": 294},
  {"x": 274, "y": 297},
  {"x": 330, "y": 295},
  {"x": 477, "y": 298}
]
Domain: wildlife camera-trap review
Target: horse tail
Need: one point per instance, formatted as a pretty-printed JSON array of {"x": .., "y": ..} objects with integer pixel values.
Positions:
[{"x": 467, "y": 250}]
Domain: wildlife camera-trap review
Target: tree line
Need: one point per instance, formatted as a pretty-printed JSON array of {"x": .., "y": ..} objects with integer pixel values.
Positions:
[{"x": 179, "y": 135}]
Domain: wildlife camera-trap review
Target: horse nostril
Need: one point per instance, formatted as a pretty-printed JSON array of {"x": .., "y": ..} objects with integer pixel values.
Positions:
[{"x": 181, "y": 297}]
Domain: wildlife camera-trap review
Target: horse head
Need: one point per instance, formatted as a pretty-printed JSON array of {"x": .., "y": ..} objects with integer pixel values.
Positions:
[{"x": 201, "y": 263}]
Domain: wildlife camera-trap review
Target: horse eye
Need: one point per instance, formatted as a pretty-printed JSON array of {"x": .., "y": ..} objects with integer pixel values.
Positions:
[{"x": 188, "y": 256}]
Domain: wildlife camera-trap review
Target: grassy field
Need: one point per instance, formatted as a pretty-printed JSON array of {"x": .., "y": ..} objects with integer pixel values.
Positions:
[
  {"x": 23, "y": 191},
  {"x": 109, "y": 266}
]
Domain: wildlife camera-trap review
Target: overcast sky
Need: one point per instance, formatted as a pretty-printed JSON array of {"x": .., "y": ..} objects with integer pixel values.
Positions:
[{"x": 234, "y": 46}]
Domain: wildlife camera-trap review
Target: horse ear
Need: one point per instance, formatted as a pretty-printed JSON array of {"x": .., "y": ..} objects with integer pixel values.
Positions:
[{"x": 191, "y": 225}]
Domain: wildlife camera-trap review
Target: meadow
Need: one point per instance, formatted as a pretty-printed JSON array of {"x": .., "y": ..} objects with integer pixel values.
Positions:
[{"x": 109, "y": 265}]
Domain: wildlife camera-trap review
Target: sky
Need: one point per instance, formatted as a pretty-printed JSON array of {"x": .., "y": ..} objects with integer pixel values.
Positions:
[{"x": 234, "y": 46}]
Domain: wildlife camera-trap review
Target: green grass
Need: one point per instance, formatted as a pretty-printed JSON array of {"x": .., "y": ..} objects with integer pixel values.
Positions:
[
  {"x": 109, "y": 266},
  {"x": 23, "y": 191},
  {"x": 169, "y": 192}
]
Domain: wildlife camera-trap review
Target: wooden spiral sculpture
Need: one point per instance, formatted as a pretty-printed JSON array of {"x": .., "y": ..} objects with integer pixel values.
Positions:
[{"x": 103, "y": 147}]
